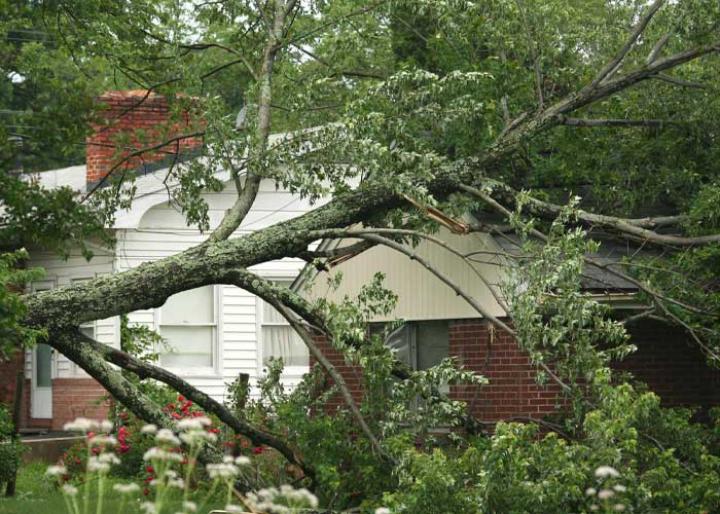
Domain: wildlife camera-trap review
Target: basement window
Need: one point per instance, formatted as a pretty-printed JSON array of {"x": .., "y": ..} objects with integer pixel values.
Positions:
[{"x": 189, "y": 324}]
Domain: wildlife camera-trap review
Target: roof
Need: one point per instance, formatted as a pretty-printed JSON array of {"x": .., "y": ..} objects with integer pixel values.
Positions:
[{"x": 594, "y": 279}]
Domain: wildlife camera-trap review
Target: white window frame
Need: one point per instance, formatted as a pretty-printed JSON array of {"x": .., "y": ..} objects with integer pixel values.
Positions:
[
  {"x": 260, "y": 323},
  {"x": 215, "y": 370}
]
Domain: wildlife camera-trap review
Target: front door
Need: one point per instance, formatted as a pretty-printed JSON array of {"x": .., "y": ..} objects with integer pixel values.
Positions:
[
  {"x": 41, "y": 379},
  {"x": 41, "y": 382}
]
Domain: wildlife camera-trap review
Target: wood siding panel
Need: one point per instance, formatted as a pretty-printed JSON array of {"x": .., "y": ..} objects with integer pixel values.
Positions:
[
  {"x": 163, "y": 232},
  {"x": 422, "y": 295}
]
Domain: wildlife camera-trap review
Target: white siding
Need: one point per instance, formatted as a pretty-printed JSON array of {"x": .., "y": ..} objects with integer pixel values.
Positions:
[
  {"x": 63, "y": 272},
  {"x": 162, "y": 232},
  {"x": 422, "y": 296}
]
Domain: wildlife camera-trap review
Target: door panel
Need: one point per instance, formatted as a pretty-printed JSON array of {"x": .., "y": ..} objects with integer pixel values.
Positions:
[{"x": 41, "y": 400}]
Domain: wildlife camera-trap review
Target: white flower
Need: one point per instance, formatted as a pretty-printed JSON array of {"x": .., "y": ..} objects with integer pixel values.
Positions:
[
  {"x": 56, "y": 471},
  {"x": 223, "y": 470},
  {"x": 83, "y": 425},
  {"x": 103, "y": 440},
  {"x": 620, "y": 488},
  {"x": 264, "y": 499},
  {"x": 70, "y": 490},
  {"x": 590, "y": 491},
  {"x": 126, "y": 488},
  {"x": 242, "y": 460},
  {"x": 176, "y": 482},
  {"x": 189, "y": 506},
  {"x": 606, "y": 471},
  {"x": 149, "y": 508},
  {"x": 170, "y": 473},
  {"x": 109, "y": 458},
  {"x": 382, "y": 510},
  {"x": 106, "y": 426},
  {"x": 197, "y": 436},
  {"x": 619, "y": 507},
  {"x": 234, "y": 508},
  {"x": 605, "y": 494},
  {"x": 198, "y": 423},
  {"x": 95, "y": 464},
  {"x": 301, "y": 496},
  {"x": 156, "y": 453},
  {"x": 165, "y": 435},
  {"x": 148, "y": 429},
  {"x": 228, "y": 459}
]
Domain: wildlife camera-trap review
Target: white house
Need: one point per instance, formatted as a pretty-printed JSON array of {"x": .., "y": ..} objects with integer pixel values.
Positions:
[{"x": 214, "y": 333}]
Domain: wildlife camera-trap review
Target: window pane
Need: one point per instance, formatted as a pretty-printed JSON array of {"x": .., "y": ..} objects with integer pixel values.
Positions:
[
  {"x": 401, "y": 342},
  {"x": 283, "y": 342},
  {"x": 270, "y": 315},
  {"x": 88, "y": 330},
  {"x": 432, "y": 343},
  {"x": 191, "y": 346},
  {"x": 193, "y": 306},
  {"x": 43, "y": 365}
]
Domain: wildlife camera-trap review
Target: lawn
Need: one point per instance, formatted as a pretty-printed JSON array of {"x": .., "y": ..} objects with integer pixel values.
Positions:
[{"x": 38, "y": 494}]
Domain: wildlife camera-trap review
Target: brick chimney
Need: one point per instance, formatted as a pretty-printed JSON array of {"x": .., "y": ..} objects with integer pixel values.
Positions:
[{"x": 143, "y": 118}]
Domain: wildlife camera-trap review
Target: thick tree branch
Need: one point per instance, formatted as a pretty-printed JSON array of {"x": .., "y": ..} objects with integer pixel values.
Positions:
[
  {"x": 278, "y": 297},
  {"x": 146, "y": 370},
  {"x": 255, "y": 165}
]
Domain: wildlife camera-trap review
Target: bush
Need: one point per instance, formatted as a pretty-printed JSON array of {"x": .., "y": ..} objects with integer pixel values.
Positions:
[{"x": 10, "y": 449}]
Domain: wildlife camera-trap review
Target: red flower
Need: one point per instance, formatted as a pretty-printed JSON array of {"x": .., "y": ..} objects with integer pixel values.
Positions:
[
  {"x": 181, "y": 398},
  {"x": 214, "y": 430},
  {"x": 90, "y": 435},
  {"x": 175, "y": 415},
  {"x": 150, "y": 469},
  {"x": 258, "y": 450},
  {"x": 146, "y": 491}
]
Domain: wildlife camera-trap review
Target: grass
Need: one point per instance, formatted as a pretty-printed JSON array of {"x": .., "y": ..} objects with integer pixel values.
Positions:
[{"x": 38, "y": 494}]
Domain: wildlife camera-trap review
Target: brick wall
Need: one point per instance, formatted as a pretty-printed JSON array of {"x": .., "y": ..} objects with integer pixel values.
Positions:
[
  {"x": 77, "y": 397},
  {"x": 8, "y": 372},
  {"x": 126, "y": 112},
  {"x": 672, "y": 366},
  {"x": 512, "y": 391},
  {"x": 351, "y": 374},
  {"x": 666, "y": 361}
]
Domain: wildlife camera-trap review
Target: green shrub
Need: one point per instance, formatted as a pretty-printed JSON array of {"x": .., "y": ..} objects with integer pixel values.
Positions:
[{"x": 10, "y": 449}]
